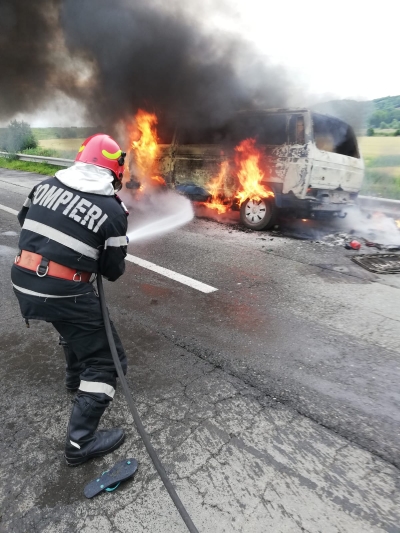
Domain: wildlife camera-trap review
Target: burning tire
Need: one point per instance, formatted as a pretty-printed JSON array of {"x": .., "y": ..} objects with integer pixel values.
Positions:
[{"x": 258, "y": 215}]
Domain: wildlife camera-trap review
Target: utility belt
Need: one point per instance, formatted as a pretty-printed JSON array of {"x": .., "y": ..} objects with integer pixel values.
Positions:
[{"x": 43, "y": 267}]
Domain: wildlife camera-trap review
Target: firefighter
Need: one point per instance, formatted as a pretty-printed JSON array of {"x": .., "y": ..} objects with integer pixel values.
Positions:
[{"x": 74, "y": 228}]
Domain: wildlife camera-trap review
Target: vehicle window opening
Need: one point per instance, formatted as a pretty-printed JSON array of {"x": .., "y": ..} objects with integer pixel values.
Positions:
[
  {"x": 201, "y": 135},
  {"x": 265, "y": 129},
  {"x": 300, "y": 129},
  {"x": 333, "y": 135},
  {"x": 296, "y": 129}
]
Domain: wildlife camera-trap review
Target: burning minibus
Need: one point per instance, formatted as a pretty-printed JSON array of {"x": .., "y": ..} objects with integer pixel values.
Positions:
[{"x": 263, "y": 162}]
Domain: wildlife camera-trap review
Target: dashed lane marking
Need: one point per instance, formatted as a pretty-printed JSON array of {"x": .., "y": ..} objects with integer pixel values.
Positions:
[{"x": 185, "y": 280}]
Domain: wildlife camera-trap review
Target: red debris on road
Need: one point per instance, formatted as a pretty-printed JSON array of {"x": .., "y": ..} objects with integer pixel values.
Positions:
[{"x": 353, "y": 245}]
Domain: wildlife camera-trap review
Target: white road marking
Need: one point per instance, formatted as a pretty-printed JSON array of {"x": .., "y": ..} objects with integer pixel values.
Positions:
[
  {"x": 171, "y": 274},
  {"x": 185, "y": 280},
  {"x": 8, "y": 209}
]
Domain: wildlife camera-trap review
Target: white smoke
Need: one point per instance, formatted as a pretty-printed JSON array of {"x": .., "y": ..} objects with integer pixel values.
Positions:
[
  {"x": 375, "y": 227},
  {"x": 155, "y": 214}
]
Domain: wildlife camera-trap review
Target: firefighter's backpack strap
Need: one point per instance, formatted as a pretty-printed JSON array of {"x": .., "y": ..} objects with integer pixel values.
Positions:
[{"x": 121, "y": 203}]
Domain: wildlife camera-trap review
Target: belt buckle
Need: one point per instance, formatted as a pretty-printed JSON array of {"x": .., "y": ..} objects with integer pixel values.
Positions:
[
  {"x": 45, "y": 273},
  {"x": 43, "y": 267},
  {"x": 77, "y": 274}
]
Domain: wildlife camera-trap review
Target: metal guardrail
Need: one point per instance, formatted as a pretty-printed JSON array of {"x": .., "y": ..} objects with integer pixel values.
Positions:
[
  {"x": 41, "y": 159},
  {"x": 382, "y": 205},
  {"x": 366, "y": 203},
  {"x": 51, "y": 160}
]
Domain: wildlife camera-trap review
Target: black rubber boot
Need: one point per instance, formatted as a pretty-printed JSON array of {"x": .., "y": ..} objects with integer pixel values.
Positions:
[
  {"x": 72, "y": 369},
  {"x": 83, "y": 442}
]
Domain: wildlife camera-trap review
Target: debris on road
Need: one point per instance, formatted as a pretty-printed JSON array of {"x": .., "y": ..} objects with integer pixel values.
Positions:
[
  {"x": 371, "y": 244},
  {"x": 353, "y": 245},
  {"x": 340, "y": 239},
  {"x": 334, "y": 239},
  {"x": 385, "y": 247}
]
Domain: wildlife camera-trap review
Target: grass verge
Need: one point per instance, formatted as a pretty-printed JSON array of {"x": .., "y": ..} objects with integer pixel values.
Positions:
[
  {"x": 45, "y": 152},
  {"x": 67, "y": 148},
  {"x": 29, "y": 166},
  {"x": 382, "y": 166},
  {"x": 380, "y": 182}
]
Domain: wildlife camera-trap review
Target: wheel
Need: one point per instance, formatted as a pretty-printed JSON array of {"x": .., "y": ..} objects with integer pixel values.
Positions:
[{"x": 258, "y": 214}]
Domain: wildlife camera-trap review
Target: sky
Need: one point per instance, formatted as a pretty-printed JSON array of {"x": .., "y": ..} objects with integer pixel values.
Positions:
[{"x": 342, "y": 49}]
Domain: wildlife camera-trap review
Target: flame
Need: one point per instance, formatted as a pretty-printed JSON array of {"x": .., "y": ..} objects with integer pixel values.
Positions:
[
  {"x": 145, "y": 149},
  {"x": 249, "y": 175},
  {"x": 215, "y": 187},
  {"x": 159, "y": 180},
  {"x": 398, "y": 223},
  {"x": 247, "y": 161}
]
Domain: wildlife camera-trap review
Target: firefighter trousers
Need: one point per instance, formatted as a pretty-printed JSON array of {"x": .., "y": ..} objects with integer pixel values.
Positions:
[{"x": 88, "y": 341}]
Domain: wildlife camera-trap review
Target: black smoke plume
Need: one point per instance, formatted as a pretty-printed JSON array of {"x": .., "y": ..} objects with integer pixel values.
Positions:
[
  {"x": 28, "y": 31},
  {"x": 117, "y": 56}
]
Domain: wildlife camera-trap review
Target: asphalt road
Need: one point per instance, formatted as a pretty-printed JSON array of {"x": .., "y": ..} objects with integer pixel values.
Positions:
[{"x": 273, "y": 401}]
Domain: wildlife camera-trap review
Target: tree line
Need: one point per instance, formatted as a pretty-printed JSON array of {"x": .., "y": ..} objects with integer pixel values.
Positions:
[
  {"x": 386, "y": 113},
  {"x": 16, "y": 137},
  {"x": 19, "y": 136}
]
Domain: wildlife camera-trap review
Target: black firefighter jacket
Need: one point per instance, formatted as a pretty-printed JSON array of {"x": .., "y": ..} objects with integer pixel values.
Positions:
[{"x": 78, "y": 229}]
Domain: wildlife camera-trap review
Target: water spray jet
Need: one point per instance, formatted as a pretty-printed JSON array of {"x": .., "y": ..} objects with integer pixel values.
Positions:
[{"x": 158, "y": 213}]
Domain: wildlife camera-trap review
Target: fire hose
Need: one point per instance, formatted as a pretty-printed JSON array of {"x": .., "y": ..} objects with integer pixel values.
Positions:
[{"x": 151, "y": 451}]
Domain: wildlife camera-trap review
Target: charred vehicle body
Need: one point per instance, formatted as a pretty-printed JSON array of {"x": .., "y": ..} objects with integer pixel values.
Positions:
[{"x": 310, "y": 164}]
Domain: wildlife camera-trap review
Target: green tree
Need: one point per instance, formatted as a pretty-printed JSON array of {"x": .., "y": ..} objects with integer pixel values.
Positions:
[
  {"x": 379, "y": 116},
  {"x": 383, "y": 126},
  {"x": 18, "y": 137},
  {"x": 370, "y": 132}
]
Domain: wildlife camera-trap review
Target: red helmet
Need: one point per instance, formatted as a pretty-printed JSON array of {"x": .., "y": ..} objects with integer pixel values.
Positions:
[{"x": 103, "y": 151}]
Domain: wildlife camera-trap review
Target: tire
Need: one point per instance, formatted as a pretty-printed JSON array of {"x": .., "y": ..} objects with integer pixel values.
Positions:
[{"x": 258, "y": 215}]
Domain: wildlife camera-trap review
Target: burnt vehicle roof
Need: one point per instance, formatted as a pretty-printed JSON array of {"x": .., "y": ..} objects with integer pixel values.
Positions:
[
  {"x": 331, "y": 118},
  {"x": 241, "y": 125},
  {"x": 273, "y": 110},
  {"x": 286, "y": 110},
  {"x": 192, "y": 134}
]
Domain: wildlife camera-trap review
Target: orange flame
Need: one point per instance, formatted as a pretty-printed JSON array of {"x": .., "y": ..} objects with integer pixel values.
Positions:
[
  {"x": 159, "y": 180},
  {"x": 145, "y": 150},
  {"x": 247, "y": 161},
  {"x": 249, "y": 174},
  {"x": 215, "y": 187}
]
